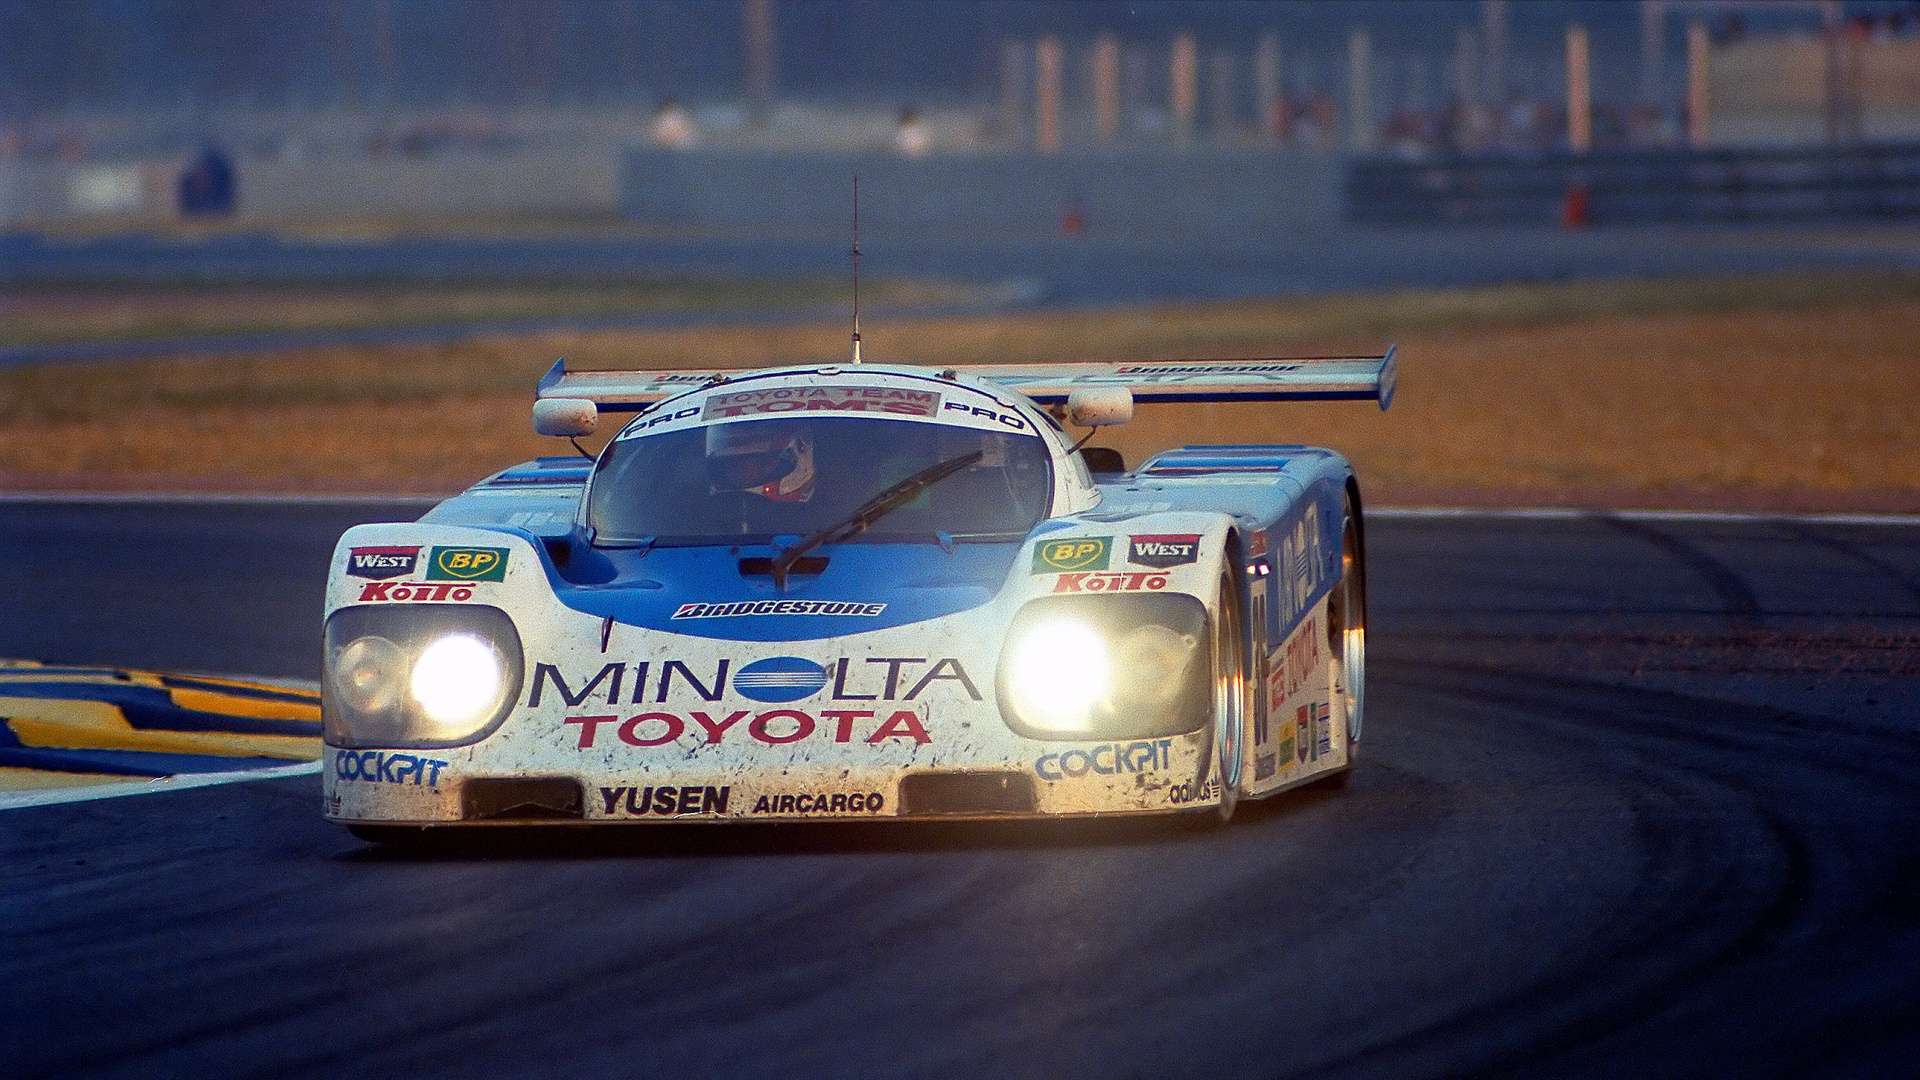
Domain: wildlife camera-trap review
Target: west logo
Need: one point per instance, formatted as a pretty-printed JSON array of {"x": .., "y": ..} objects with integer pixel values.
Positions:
[
  {"x": 1164, "y": 551},
  {"x": 1078, "y": 553},
  {"x": 381, "y": 563},
  {"x": 467, "y": 564}
]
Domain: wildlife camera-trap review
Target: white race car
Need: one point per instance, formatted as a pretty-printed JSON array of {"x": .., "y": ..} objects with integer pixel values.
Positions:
[{"x": 856, "y": 592}]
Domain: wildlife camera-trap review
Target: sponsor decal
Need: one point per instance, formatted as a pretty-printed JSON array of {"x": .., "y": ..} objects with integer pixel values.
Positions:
[
  {"x": 780, "y": 400},
  {"x": 838, "y": 802},
  {"x": 1107, "y": 759},
  {"x": 1181, "y": 794},
  {"x": 1263, "y": 767},
  {"x": 1312, "y": 736},
  {"x": 1076, "y": 553},
  {"x": 639, "y": 801},
  {"x": 779, "y": 678},
  {"x": 1164, "y": 550},
  {"x": 642, "y": 424},
  {"x": 467, "y": 564},
  {"x": 775, "y": 727},
  {"x": 1302, "y": 564},
  {"x": 1300, "y": 661},
  {"x": 381, "y": 563},
  {"x": 1207, "y": 369},
  {"x": 1008, "y": 420},
  {"x": 777, "y": 607},
  {"x": 381, "y": 767},
  {"x": 771, "y": 679},
  {"x": 1128, "y": 582},
  {"x": 405, "y": 590}
]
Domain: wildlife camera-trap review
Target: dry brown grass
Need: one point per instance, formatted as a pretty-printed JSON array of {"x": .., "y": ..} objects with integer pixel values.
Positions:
[{"x": 1505, "y": 396}]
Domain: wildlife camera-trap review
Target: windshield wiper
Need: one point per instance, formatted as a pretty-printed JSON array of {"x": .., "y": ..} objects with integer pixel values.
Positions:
[{"x": 869, "y": 512}]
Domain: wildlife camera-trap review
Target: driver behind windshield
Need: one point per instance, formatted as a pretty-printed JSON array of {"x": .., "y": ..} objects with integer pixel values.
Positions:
[
  {"x": 769, "y": 458},
  {"x": 743, "y": 479}
]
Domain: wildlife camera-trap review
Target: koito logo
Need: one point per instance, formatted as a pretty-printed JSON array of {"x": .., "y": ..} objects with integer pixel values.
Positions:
[
  {"x": 1134, "y": 582},
  {"x": 381, "y": 563},
  {"x": 374, "y": 591},
  {"x": 1078, "y": 553},
  {"x": 1165, "y": 550},
  {"x": 467, "y": 564}
]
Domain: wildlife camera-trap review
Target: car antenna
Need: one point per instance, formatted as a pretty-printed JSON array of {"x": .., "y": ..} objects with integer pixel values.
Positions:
[{"x": 856, "y": 268}]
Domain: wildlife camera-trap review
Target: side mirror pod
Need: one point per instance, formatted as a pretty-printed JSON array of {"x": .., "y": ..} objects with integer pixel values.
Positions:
[
  {"x": 565, "y": 416},
  {"x": 1099, "y": 406}
]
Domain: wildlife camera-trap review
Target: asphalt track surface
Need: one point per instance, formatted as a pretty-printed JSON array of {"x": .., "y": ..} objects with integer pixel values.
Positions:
[{"x": 1638, "y": 799}]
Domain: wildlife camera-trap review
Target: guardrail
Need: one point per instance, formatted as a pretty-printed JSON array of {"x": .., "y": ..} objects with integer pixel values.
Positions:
[{"x": 1620, "y": 187}]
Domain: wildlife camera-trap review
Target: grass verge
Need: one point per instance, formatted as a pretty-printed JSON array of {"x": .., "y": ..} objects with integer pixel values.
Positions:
[{"x": 1783, "y": 391}]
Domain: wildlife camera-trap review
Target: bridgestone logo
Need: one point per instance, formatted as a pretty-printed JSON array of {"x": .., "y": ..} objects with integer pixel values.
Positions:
[
  {"x": 1207, "y": 369},
  {"x": 777, "y": 607}
]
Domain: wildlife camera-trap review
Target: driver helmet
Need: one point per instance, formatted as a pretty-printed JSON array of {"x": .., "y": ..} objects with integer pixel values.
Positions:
[{"x": 769, "y": 458}]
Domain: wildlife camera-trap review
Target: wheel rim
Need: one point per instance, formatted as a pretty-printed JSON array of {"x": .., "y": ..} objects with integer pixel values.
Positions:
[
  {"x": 1229, "y": 693},
  {"x": 1347, "y": 629}
]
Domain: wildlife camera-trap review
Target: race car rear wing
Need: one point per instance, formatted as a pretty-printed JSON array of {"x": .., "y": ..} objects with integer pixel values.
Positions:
[{"x": 1308, "y": 378}]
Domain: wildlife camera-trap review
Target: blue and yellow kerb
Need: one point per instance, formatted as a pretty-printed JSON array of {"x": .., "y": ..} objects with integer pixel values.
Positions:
[{"x": 68, "y": 726}]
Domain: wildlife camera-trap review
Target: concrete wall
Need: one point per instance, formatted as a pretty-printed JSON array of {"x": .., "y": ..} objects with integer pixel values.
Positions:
[
  {"x": 452, "y": 185},
  {"x": 1206, "y": 192},
  {"x": 1209, "y": 191}
]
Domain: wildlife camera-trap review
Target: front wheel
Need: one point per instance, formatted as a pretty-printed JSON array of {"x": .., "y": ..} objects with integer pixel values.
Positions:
[{"x": 1230, "y": 688}]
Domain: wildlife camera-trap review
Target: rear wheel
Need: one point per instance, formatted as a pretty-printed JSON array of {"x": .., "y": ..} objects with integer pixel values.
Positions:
[{"x": 1347, "y": 632}]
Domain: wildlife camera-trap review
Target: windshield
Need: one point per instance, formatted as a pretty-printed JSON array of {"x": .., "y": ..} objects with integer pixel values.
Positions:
[{"x": 751, "y": 480}]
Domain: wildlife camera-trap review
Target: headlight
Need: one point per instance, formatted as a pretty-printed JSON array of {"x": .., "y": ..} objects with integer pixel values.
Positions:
[
  {"x": 1118, "y": 666},
  {"x": 417, "y": 676}
]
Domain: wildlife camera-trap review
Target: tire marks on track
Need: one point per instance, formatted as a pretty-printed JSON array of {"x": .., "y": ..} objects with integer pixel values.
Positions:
[{"x": 1745, "y": 896}]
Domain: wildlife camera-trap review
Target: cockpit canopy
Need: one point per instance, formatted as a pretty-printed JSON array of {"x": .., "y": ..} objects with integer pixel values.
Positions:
[{"x": 751, "y": 479}]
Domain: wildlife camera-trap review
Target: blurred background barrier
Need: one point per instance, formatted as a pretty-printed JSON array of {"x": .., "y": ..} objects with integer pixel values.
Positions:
[
  {"x": 968, "y": 114},
  {"x": 1627, "y": 186},
  {"x": 1214, "y": 193}
]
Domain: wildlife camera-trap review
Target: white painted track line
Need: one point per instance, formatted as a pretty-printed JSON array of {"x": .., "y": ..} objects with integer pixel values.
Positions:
[{"x": 15, "y": 800}]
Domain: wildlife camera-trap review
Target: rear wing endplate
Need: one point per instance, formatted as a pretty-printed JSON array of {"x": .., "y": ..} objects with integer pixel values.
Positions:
[{"x": 1310, "y": 378}]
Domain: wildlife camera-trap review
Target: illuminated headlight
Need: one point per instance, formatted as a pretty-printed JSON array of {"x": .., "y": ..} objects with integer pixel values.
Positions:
[
  {"x": 425, "y": 675},
  {"x": 1121, "y": 666}
]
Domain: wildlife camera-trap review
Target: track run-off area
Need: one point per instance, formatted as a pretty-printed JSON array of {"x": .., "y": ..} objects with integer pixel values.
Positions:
[{"x": 1636, "y": 799}]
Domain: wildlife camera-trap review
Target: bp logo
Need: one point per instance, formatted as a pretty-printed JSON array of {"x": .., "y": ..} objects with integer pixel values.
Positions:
[
  {"x": 467, "y": 564},
  {"x": 779, "y": 678},
  {"x": 1078, "y": 553}
]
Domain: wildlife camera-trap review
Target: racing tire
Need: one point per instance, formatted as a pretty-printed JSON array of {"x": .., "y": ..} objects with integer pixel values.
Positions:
[
  {"x": 1347, "y": 635},
  {"x": 1230, "y": 689}
]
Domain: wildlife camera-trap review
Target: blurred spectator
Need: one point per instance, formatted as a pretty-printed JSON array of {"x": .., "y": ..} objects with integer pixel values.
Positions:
[
  {"x": 206, "y": 187},
  {"x": 910, "y": 135},
  {"x": 673, "y": 126}
]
